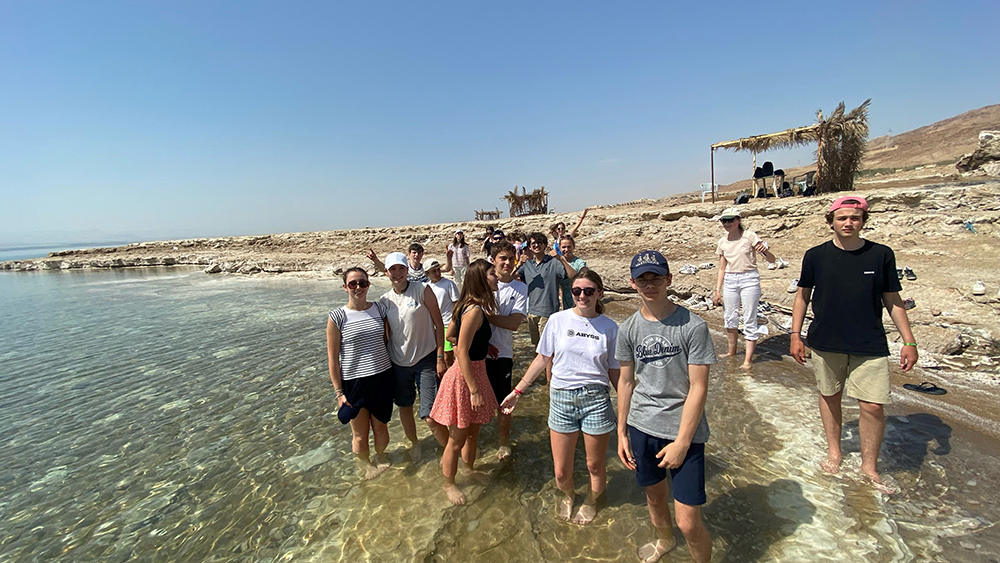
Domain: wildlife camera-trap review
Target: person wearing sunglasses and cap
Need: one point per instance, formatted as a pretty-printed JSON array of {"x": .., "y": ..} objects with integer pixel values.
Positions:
[
  {"x": 361, "y": 371},
  {"x": 665, "y": 353},
  {"x": 579, "y": 344},
  {"x": 850, "y": 281},
  {"x": 739, "y": 282}
]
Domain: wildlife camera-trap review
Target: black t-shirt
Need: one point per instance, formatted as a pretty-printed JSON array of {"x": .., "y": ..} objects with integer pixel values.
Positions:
[{"x": 847, "y": 297}]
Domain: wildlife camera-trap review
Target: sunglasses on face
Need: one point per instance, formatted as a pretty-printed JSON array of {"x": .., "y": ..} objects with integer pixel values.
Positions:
[
  {"x": 727, "y": 221},
  {"x": 354, "y": 284},
  {"x": 588, "y": 291},
  {"x": 645, "y": 282}
]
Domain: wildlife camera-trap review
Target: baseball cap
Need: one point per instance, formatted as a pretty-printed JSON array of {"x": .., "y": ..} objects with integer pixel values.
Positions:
[
  {"x": 850, "y": 202},
  {"x": 458, "y": 231},
  {"x": 730, "y": 213},
  {"x": 395, "y": 259},
  {"x": 498, "y": 233},
  {"x": 649, "y": 261},
  {"x": 430, "y": 265}
]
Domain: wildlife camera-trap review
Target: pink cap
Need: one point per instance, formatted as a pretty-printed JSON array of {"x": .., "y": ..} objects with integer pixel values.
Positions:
[{"x": 850, "y": 201}]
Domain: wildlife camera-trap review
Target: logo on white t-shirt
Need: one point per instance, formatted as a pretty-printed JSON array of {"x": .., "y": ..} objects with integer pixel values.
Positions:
[{"x": 655, "y": 350}]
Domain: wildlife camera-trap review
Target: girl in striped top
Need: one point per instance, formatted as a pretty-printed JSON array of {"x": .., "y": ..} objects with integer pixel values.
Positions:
[{"x": 361, "y": 371}]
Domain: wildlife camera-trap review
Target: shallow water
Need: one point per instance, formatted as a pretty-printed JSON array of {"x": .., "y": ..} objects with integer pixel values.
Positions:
[{"x": 166, "y": 415}]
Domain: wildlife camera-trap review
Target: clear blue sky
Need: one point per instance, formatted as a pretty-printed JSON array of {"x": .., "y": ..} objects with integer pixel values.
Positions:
[{"x": 183, "y": 119}]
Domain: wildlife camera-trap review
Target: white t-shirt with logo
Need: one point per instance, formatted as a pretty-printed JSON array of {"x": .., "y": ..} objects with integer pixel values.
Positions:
[
  {"x": 582, "y": 349},
  {"x": 511, "y": 298}
]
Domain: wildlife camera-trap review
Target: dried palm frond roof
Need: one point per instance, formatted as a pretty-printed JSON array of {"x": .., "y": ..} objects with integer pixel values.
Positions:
[{"x": 780, "y": 140}]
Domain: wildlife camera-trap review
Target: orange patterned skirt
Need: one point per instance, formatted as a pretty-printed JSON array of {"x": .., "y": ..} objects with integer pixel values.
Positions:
[{"x": 453, "y": 404}]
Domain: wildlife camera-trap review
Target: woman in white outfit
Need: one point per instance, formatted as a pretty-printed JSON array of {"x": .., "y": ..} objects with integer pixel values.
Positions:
[{"x": 739, "y": 281}]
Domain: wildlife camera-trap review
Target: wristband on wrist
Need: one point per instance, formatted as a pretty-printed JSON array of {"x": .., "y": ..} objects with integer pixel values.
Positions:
[
  {"x": 914, "y": 344},
  {"x": 518, "y": 391}
]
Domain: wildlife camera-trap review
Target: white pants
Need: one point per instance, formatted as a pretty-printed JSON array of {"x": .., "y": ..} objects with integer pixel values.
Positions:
[
  {"x": 459, "y": 272},
  {"x": 742, "y": 288}
]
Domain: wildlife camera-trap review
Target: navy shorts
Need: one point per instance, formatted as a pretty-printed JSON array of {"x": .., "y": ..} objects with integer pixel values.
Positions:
[
  {"x": 420, "y": 376},
  {"x": 687, "y": 482},
  {"x": 373, "y": 393},
  {"x": 498, "y": 372}
]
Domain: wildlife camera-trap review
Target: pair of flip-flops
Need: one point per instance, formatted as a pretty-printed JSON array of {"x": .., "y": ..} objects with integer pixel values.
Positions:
[
  {"x": 906, "y": 272},
  {"x": 925, "y": 387}
]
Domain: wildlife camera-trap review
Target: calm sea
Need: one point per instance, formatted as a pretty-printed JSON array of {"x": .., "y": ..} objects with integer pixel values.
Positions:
[
  {"x": 28, "y": 252},
  {"x": 168, "y": 415}
]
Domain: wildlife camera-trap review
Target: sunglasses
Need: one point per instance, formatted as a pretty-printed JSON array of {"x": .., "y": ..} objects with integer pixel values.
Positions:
[
  {"x": 654, "y": 281},
  {"x": 727, "y": 221},
  {"x": 588, "y": 291},
  {"x": 354, "y": 284}
]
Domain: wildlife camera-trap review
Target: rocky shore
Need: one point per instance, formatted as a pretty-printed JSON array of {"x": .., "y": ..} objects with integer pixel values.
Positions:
[{"x": 947, "y": 233}]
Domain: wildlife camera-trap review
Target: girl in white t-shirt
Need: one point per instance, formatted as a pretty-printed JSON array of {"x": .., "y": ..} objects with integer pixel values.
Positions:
[
  {"x": 739, "y": 282},
  {"x": 580, "y": 343},
  {"x": 458, "y": 257}
]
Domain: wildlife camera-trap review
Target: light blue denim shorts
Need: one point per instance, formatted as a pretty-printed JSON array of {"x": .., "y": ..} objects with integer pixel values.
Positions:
[{"x": 585, "y": 408}]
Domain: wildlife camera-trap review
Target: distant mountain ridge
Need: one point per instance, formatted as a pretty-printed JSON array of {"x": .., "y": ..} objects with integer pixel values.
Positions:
[{"x": 945, "y": 140}]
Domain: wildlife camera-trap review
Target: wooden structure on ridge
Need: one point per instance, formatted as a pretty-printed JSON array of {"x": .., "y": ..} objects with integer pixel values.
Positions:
[
  {"x": 535, "y": 203},
  {"x": 494, "y": 215},
  {"x": 841, "y": 141}
]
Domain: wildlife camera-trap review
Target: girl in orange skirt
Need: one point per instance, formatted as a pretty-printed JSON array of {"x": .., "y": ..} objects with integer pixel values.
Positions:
[{"x": 465, "y": 398}]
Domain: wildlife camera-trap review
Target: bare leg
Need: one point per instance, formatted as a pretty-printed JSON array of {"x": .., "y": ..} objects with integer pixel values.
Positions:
[
  {"x": 699, "y": 542},
  {"x": 871, "y": 426},
  {"x": 597, "y": 453},
  {"x": 731, "y": 334},
  {"x": 563, "y": 449},
  {"x": 833, "y": 421},
  {"x": 658, "y": 503},
  {"x": 751, "y": 344},
  {"x": 410, "y": 429},
  {"x": 449, "y": 463},
  {"x": 503, "y": 422},
  {"x": 381, "y": 432},
  {"x": 359, "y": 445},
  {"x": 469, "y": 449},
  {"x": 439, "y": 431}
]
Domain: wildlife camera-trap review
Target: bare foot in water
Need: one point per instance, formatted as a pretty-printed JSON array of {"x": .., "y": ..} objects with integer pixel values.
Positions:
[
  {"x": 415, "y": 451},
  {"x": 503, "y": 453},
  {"x": 585, "y": 514},
  {"x": 455, "y": 496},
  {"x": 382, "y": 462},
  {"x": 830, "y": 465},
  {"x": 366, "y": 469},
  {"x": 565, "y": 508},
  {"x": 875, "y": 480},
  {"x": 653, "y": 551},
  {"x": 745, "y": 366},
  {"x": 728, "y": 354}
]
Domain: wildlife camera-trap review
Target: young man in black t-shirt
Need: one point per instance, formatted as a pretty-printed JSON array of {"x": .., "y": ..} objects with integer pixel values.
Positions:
[{"x": 850, "y": 280}]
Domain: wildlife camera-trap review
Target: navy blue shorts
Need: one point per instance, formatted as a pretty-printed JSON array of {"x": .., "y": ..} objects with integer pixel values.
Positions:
[
  {"x": 687, "y": 482},
  {"x": 421, "y": 376}
]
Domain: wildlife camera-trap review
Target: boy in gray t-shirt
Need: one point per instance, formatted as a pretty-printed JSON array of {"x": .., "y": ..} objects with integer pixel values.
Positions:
[{"x": 665, "y": 353}]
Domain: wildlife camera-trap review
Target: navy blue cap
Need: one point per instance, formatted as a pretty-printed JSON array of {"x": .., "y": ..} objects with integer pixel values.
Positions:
[{"x": 649, "y": 261}]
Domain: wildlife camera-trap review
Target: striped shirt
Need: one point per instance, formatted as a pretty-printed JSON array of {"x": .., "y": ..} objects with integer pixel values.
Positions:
[{"x": 362, "y": 341}]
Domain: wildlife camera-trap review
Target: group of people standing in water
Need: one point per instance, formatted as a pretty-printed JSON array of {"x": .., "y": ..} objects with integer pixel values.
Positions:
[{"x": 392, "y": 349}]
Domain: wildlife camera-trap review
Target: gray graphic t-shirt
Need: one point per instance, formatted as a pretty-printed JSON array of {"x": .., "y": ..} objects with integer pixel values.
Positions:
[{"x": 661, "y": 352}]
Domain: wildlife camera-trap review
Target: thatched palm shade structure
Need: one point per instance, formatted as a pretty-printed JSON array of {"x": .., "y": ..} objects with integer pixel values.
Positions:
[
  {"x": 524, "y": 203},
  {"x": 840, "y": 142}
]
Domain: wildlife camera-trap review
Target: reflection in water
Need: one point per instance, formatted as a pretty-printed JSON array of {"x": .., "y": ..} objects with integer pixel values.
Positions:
[{"x": 189, "y": 417}]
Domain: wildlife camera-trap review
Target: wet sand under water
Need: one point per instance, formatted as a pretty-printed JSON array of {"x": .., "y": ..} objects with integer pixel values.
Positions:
[{"x": 767, "y": 498}]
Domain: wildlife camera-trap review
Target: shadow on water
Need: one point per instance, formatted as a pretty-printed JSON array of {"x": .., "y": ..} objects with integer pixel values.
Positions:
[
  {"x": 907, "y": 439},
  {"x": 749, "y": 538}
]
